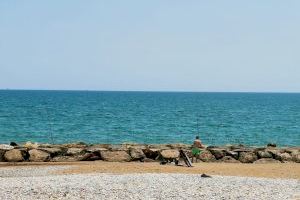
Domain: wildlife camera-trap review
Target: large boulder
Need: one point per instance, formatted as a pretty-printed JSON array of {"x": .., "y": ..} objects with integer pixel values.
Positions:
[
  {"x": 218, "y": 153},
  {"x": 136, "y": 154},
  {"x": 75, "y": 151},
  {"x": 179, "y": 146},
  {"x": 229, "y": 159},
  {"x": 296, "y": 156},
  {"x": 30, "y": 145},
  {"x": 81, "y": 145},
  {"x": 170, "y": 154},
  {"x": 115, "y": 156},
  {"x": 38, "y": 155},
  {"x": 96, "y": 148},
  {"x": 2, "y": 152},
  {"x": 117, "y": 147},
  {"x": 53, "y": 151},
  {"x": 151, "y": 153},
  {"x": 276, "y": 153},
  {"x": 266, "y": 160},
  {"x": 14, "y": 155},
  {"x": 89, "y": 157},
  {"x": 286, "y": 157},
  {"x": 247, "y": 157},
  {"x": 3, "y": 149},
  {"x": 233, "y": 154},
  {"x": 207, "y": 156},
  {"x": 264, "y": 154},
  {"x": 6, "y": 147},
  {"x": 159, "y": 146}
]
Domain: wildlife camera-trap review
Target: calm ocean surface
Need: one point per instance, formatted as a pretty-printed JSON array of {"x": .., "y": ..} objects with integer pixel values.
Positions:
[{"x": 149, "y": 117}]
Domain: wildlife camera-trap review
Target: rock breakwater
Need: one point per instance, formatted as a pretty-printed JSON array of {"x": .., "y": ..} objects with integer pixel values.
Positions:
[{"x": 30, "y": 152}]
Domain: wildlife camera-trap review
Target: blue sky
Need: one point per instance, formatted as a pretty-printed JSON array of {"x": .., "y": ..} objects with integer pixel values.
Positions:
[{"x": 150, "y": 45}]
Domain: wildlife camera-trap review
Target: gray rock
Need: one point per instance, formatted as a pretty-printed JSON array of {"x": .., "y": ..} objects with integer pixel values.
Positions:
[
  {"x": 218, "y": 153},
  {"x": 170, "y": 154},
  {"x": 14, "y": 155},
  {"x": 38, "y": 155},
  {"x": 207, "y": 156},
  {"x": 247, "y": 157},
  {"x": 266, "y": 160},
  {"x": 136, "y": 154},
  {"x": 2, "y": 152},
  {"x": 75, "y": 151},
  {"x": 95, "y": 148},
  {"x": 30, "y": 145},
  {"x": 159, "y": 146},
  {"x": 276, "y": 153},
  {"x": 286, "y": 157},
  {"x": 179, "y": 146},
  {"x": 233, "y": 154},
  {"x": 6, "y": 147},
  {"x": 264, "y": 154},
  {"x": 52, "y": 151},
  {"x": 151, "y": 153},
  {"x": 117, "y": 147},
  {"x": 115, "y": 156},
  {"x": 89, "y": 157},
  {"x": 296, "y": 156}
]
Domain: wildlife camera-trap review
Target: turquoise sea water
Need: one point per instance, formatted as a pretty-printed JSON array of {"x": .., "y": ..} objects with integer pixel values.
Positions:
[{"x": 149, "y": 117}]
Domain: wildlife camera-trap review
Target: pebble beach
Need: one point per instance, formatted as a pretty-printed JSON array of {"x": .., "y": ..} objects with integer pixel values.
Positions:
[{"x": 43, "y": 182}]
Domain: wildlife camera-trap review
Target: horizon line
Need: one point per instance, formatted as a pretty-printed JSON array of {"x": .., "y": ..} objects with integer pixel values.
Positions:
[{"x": 166, "y": 91}]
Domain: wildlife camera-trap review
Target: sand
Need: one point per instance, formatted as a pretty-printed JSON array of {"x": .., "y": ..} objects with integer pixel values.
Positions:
[{"x": 281, "y": 170}]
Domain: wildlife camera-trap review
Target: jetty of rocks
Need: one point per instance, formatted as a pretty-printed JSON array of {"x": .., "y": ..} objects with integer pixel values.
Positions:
[{"x": 33, "y": 152}]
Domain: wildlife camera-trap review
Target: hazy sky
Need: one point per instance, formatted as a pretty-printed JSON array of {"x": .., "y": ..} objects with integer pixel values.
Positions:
[{"x": 150, "y": 45}]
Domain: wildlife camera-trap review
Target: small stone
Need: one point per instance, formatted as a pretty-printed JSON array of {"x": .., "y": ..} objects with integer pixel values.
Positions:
[{"x": 14, "y": 155}]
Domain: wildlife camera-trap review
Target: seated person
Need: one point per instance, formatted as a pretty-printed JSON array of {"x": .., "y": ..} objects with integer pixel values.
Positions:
[{"x": 196, "y": 150}]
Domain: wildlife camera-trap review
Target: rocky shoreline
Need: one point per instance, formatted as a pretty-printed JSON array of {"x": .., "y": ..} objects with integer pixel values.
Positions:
[{"x": 33, "y": 152}]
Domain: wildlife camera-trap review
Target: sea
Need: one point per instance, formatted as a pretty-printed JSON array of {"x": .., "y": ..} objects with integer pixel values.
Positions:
[{"x": 254, "y": 119}]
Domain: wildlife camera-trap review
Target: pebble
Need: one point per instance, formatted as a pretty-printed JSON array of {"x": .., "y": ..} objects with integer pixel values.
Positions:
[{"x": 41, "y": 183}]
